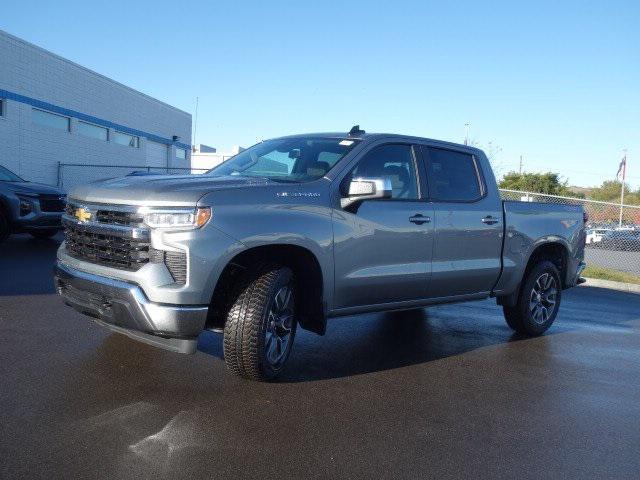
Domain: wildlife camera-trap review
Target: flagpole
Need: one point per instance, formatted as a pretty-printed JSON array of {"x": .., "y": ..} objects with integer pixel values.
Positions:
[{"x": 624, "y": 173}]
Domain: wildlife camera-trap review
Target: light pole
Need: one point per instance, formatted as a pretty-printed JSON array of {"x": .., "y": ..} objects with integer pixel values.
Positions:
[
  {"x": 466, "y": 133},
  {"x": 622, "y": 171}
]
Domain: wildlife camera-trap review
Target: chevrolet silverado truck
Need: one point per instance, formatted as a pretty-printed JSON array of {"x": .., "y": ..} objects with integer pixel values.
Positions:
[
  {"x": 29, "y": 207},
  {"x": 299, "y": 229}
]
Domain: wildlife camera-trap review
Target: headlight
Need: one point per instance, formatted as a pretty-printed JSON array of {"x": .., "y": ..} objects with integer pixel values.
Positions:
[
  {"x": 27, "y": 204},
  {"x": 179, "y": 219}
]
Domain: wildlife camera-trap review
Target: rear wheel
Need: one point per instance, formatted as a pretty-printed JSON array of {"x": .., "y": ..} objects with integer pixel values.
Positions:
[
  {"x": 43, "y": 234},
  {"x": 261, "y": 323},
  {"x": 538, "y": 301}
]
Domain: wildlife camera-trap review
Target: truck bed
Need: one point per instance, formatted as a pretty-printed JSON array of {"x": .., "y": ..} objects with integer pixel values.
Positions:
[{"x": 530, "y": 224}]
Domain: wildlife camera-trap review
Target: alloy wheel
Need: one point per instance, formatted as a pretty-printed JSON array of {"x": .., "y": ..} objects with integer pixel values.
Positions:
[
  {"x": 279, "y": 331},
  {"x": 542, "y": 301}
]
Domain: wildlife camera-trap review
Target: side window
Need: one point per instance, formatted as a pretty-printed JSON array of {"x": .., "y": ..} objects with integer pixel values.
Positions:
[
  {"x": 394, "y": 162},
  {"x": 452, "y": 176}
]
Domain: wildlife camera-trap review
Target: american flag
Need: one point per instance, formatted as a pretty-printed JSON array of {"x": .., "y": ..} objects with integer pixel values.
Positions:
[{"x": 622, "y": 169}]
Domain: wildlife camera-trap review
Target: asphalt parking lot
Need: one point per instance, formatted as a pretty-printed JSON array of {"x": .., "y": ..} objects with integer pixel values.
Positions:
[{"x": 447, "y": 392}]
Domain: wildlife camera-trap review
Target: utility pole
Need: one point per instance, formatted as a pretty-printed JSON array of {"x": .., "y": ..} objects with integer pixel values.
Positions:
[
  {"x": 466, "y": 133},
  {"x": 195, "y": 127},
  {"x": 520, "y": 164},
  {"x": 623, "y": 166}
]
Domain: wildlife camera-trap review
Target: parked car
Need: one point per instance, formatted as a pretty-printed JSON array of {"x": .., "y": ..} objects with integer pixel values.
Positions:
[
  {"x": 299, "y": 229},
  {"x": 623, "y": 240},
  {"x": 29, "y": 207},
  {"x": 595, "y": 235}
]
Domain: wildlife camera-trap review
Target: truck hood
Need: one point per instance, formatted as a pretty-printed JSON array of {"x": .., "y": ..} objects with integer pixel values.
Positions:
[
  {"x": 160, "y": 190},
  {"x": 31, "y": 188}
]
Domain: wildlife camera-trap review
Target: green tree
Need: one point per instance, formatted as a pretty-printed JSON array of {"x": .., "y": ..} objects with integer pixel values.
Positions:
[
  {"x": 548, "y": 183},
  {"x": 609, "y": 191}
]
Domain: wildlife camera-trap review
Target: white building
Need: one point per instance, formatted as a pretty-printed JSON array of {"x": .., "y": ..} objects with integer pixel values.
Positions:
[
  {"x": 55, "y": 115},
  {"x": 205, "y": 157}
]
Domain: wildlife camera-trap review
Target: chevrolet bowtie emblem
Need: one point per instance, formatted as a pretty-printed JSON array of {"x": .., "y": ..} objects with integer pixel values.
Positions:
[{"x": 82, "y": 215}]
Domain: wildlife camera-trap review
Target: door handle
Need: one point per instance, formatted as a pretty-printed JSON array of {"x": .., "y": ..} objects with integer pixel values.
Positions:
[
  {"x": 419, "y": 219},
  {"x": 489, "y": 220}
]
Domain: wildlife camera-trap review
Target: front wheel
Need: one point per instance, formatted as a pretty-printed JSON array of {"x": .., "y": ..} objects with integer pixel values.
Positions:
[
  {"x": 538, "y": 301},
  {"x": 261, "y": 323}
]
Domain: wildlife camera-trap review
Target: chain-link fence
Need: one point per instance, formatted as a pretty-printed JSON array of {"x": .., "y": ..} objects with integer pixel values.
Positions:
[
  {"x": 613, "y": 231},
  {"x": 72, "y": 174}
]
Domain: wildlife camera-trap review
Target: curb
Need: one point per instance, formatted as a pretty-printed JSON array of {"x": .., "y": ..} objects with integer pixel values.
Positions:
[{"x": 621, "y": 286}]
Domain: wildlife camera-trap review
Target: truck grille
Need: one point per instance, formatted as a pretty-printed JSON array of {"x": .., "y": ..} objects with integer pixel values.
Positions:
[
  {"x": 51, "y": 203},
  {"x": 117, "y": 239},
  {"x": 111, "y": 217},
  {"x": 118, "y": 218},
  {"x": 106, "y": 249}
]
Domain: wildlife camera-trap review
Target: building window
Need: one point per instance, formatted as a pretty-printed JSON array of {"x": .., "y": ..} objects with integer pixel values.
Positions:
[
  {"x": 181, "y": 154},
  {"x": 126, "y": 139},
  {"x": 92, "y": 131},
  {"x": 51, "y": 120}
]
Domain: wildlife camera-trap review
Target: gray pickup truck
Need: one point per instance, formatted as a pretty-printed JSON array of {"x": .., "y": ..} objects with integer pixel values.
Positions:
[
  {"x": 29, "y": 207},
  {"x": 299, "y": 229}
]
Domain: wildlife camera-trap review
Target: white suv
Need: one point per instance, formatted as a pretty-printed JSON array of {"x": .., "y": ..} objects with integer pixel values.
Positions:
[{"x": 595, "y": 235}]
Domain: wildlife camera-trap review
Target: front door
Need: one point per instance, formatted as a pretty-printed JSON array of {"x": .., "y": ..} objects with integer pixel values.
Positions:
[{"x": 383, "y": 247}]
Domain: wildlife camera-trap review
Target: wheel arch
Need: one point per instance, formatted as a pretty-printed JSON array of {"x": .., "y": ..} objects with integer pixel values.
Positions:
[
  {"x": 307, "y": 270},
  {"x": 4, "y": 207},
  {"x": 556, "y": 251}
]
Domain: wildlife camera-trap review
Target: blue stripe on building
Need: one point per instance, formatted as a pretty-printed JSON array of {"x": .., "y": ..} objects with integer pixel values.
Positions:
[{"x": 88, "y": 118}]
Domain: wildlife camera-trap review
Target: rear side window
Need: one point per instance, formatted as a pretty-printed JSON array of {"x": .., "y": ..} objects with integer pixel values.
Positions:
[{"x": 452, "y": 176}]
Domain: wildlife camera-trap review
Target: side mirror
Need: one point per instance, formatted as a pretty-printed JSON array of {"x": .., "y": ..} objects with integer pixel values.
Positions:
[{"x": 366, "y": 189}]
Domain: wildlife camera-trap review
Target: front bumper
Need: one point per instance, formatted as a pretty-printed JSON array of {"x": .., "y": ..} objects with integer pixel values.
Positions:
[{"x": 123, "y": 307}]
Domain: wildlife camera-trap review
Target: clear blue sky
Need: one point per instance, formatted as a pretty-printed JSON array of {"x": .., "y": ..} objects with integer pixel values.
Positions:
[{"x": 557, "y": 82}]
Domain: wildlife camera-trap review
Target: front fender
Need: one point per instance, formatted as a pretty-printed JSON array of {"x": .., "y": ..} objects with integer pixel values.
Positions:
[{"x": 265, "y": 217}]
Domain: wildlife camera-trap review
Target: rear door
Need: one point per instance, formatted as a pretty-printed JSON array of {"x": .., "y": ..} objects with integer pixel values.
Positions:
[{"x": 468, "y": 224}]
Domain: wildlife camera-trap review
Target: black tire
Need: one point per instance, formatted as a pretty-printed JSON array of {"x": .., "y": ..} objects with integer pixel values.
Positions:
[
  {"x": 252, "y": 327},
  {"x": 5, "y": 229},
  {"x": 528, "y": 316},
  {"x": 43, "y": 234}
]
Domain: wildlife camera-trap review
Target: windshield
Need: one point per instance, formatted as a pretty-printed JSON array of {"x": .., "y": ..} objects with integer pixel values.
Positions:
[
  {"x": 296, "y": 159},
  {"x": 8, "y": 176}
]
